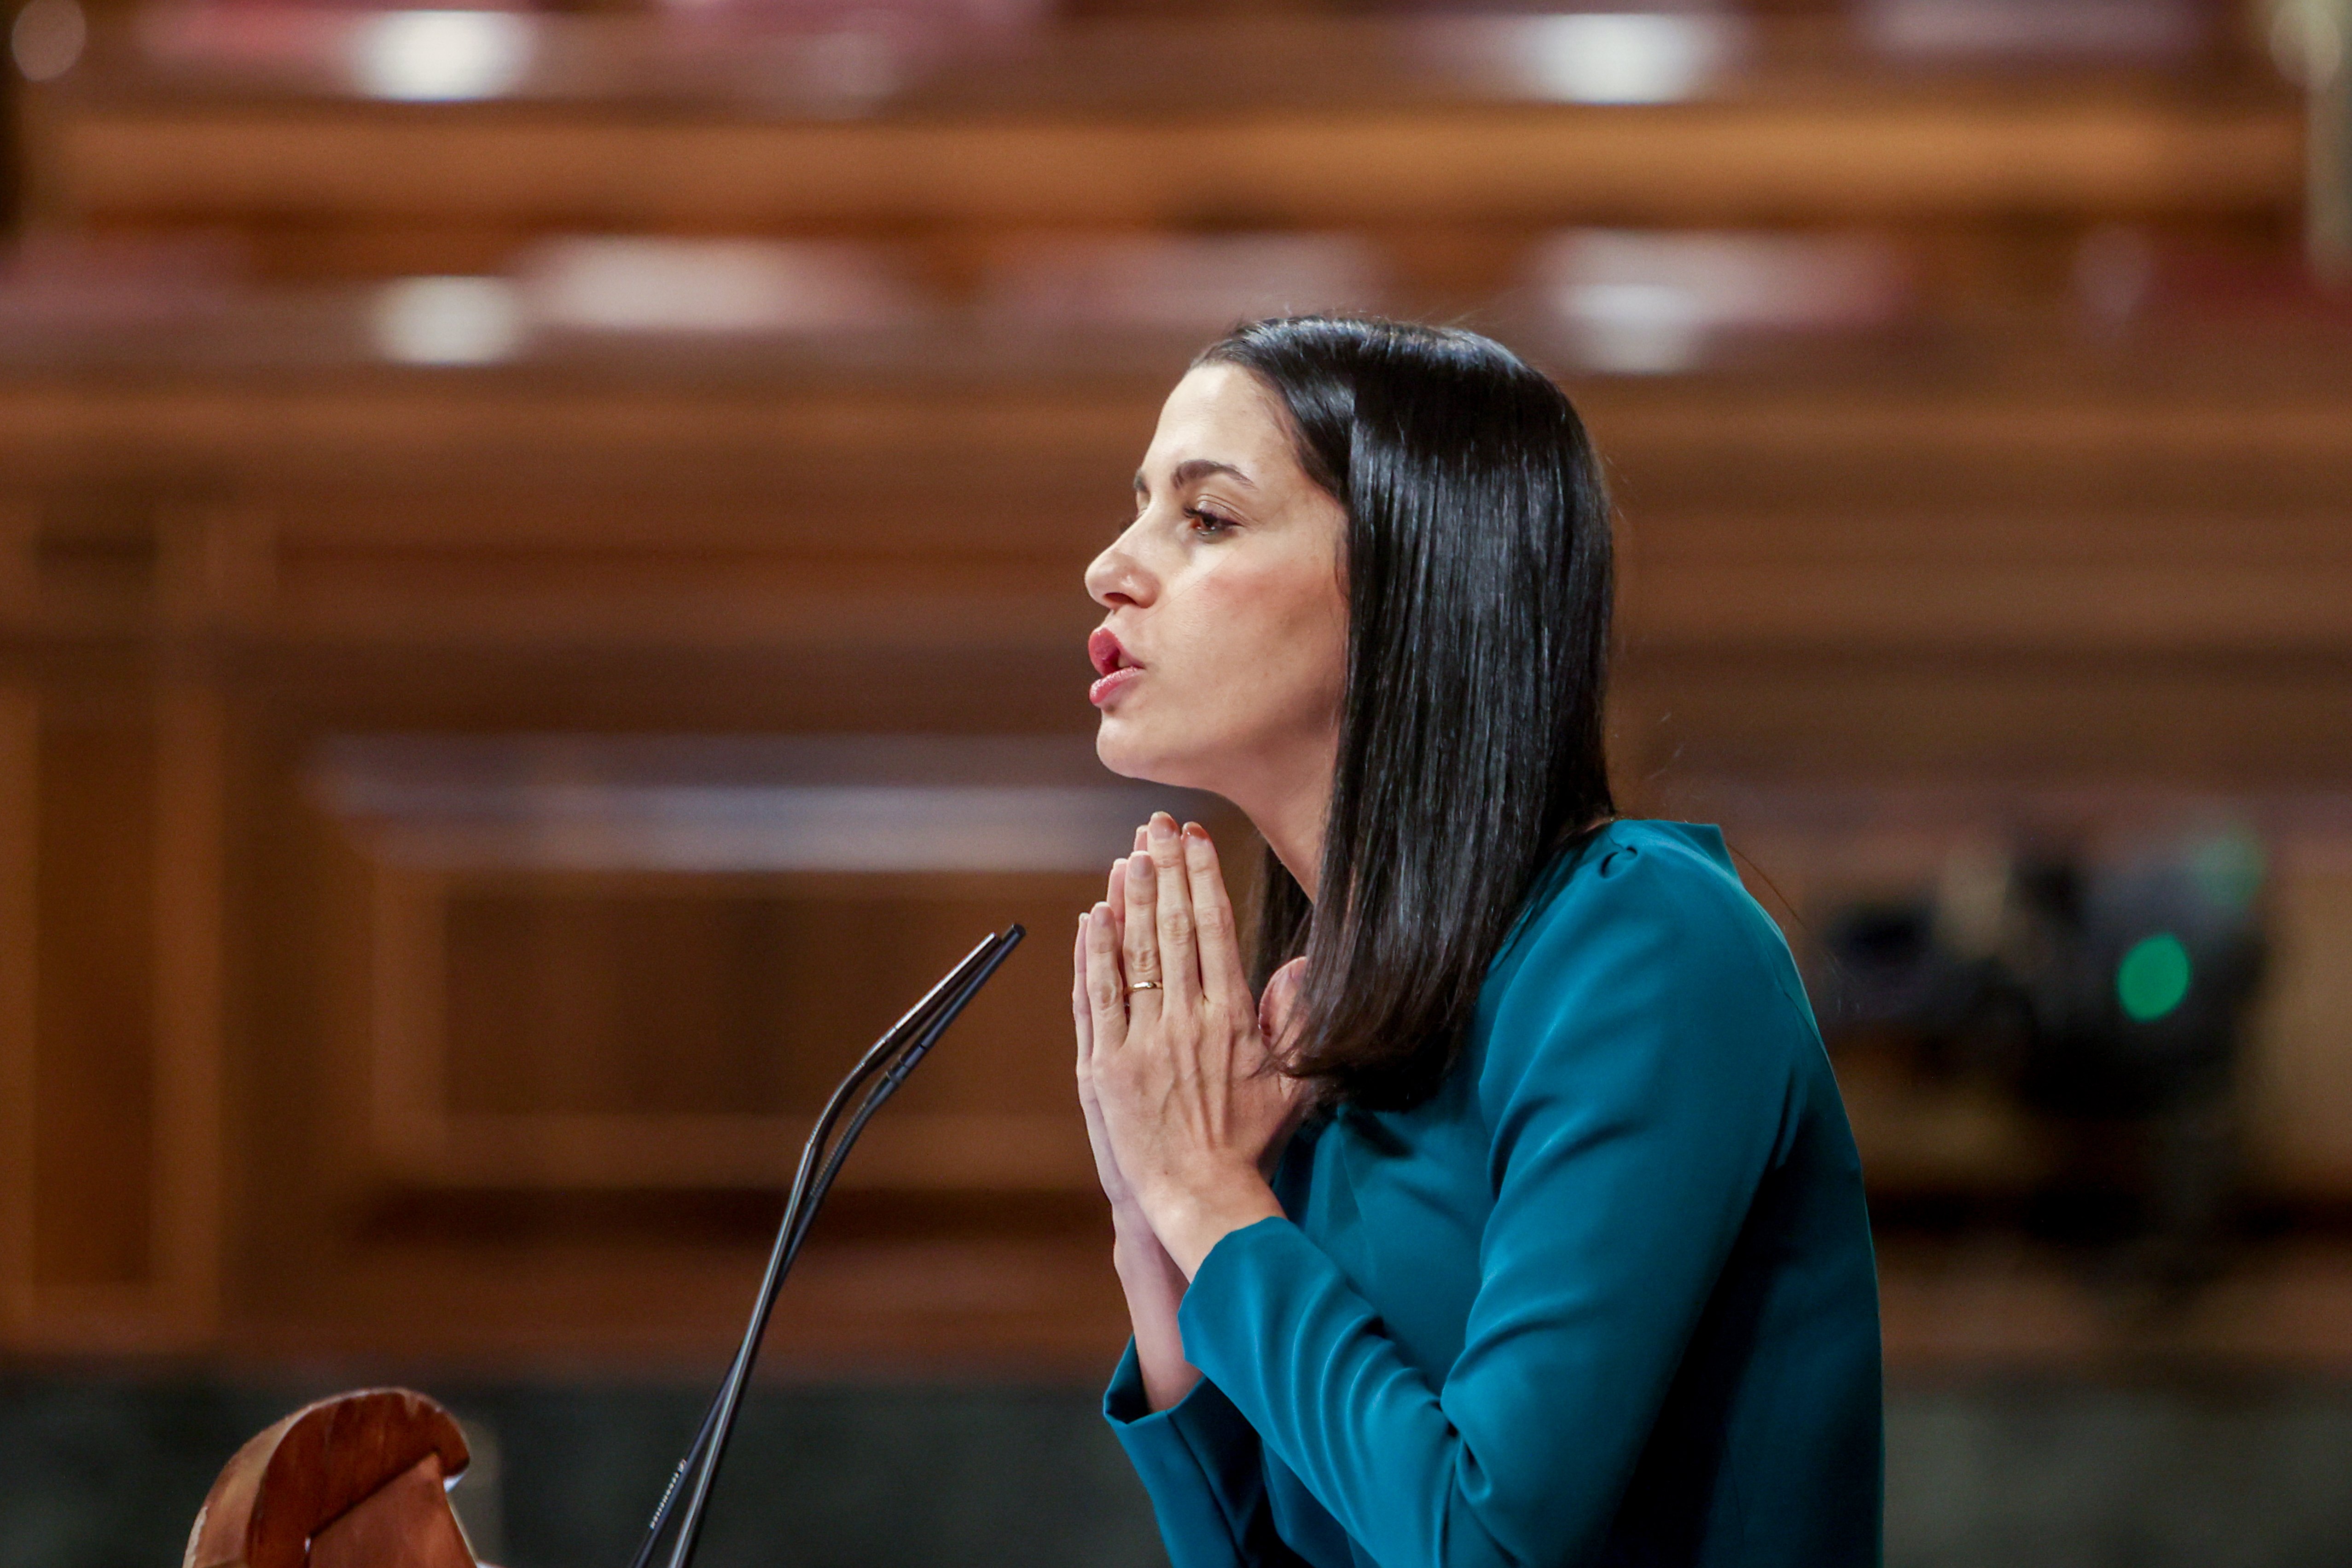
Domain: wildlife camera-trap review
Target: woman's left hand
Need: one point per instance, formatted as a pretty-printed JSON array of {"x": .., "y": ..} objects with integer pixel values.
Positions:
[{"x": 1194, "y": 1105}]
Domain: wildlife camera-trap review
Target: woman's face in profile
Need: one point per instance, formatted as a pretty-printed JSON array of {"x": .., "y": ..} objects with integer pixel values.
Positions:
[{"x": 1222, "y": 659}]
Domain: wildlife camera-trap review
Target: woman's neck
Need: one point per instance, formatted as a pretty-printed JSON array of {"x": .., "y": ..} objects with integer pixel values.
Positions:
[{"x": 1289, "y": 814}]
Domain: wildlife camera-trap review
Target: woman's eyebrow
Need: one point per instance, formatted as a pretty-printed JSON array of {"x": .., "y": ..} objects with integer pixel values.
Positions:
[{"x": 1191, "y": 470}]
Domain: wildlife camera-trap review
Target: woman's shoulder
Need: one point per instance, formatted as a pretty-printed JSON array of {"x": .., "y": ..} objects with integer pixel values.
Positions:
[
  {"x": 1641, "y": 870},
  {"x": 1648, "y": 909}
]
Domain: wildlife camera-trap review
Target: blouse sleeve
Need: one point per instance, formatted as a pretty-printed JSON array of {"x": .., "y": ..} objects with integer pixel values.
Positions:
[
  {"x": 1205, "y": 1471},
  {"x": 1638, "y": 1072}
]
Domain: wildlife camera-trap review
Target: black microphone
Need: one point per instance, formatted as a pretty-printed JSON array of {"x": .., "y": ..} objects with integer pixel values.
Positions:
[{"x": 886, "y": 1065}]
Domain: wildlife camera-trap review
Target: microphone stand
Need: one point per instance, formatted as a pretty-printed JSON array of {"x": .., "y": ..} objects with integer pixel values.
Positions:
[{"x": 879, "y": 1073}]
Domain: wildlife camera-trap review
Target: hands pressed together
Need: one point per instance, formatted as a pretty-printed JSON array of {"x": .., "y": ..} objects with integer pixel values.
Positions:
[{"x": 1183, "y": 1106}]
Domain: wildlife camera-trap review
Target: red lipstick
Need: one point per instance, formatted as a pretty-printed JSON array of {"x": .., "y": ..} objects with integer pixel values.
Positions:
[{"x": 1117, "y": 670}]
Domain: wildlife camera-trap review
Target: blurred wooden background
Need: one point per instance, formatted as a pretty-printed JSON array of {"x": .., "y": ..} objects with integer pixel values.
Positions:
[{"x": 461, "y": 534}]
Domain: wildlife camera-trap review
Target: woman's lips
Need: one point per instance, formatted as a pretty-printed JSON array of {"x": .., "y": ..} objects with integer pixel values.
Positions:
[
  {"x": 1105, "y": 691},
  {"x": 1103, "y": 647},
  {"x": 1110, "y": 661}
]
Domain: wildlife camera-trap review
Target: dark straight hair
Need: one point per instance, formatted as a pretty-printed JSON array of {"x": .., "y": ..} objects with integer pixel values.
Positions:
[{"x": 1471, "y": 743}]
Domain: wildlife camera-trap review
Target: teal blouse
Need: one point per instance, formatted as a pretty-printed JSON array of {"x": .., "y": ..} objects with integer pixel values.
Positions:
[{"x": 1607, "y": 1298}]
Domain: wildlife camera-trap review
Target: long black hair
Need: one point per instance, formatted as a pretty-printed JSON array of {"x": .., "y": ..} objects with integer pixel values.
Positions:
[{"x": 1471, "y": 740}]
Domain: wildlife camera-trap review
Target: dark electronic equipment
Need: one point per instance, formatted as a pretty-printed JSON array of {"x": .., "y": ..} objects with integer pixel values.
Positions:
[{"x": 2095, "y": 993}]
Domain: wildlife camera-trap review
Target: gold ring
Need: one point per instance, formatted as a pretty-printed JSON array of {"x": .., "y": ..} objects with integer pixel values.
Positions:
[{"x": 1143, "y": 986}]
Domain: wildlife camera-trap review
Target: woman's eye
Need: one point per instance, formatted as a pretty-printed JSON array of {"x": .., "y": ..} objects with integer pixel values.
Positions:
[{"x": 1208, "y": 524}]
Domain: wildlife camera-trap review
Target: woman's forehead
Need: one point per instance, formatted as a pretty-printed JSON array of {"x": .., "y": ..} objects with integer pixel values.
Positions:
[{"x": 1222, "y": 414}]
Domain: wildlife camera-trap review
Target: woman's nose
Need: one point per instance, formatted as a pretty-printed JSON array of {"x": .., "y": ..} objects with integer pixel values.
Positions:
[{"x": 1116, "y": 577}]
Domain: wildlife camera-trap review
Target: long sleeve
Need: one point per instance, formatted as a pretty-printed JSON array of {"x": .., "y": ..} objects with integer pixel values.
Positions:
[
  {"x": 1205, "y": 1471},
  {"x": 1639, "y": 1075}
]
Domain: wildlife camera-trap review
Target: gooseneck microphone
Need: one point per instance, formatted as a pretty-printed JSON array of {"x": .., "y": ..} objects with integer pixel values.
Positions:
[{"x": 879, "y": 1073}]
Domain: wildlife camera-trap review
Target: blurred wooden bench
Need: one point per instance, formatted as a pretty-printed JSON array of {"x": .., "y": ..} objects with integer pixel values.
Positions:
[{"x": 1449, "y": 141}]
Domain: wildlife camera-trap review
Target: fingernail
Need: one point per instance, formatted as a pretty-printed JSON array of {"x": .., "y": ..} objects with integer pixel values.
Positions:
[
  {"x": 1140, "y": 869},
  {"x": 1163, "y": 826},
  {"x": 1195, "y": 831}
]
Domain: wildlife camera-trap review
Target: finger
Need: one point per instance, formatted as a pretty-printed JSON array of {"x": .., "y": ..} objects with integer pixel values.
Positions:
[
  {"x": 1180, "y": 963},
  {"x": 1081, "y": 1011},
  {"x": 1119, "y": 889},
  {"x": 1224, "y": 978},
  {"x": 1141, "y": 947},
  {"x": 1106, "y": 1004}
]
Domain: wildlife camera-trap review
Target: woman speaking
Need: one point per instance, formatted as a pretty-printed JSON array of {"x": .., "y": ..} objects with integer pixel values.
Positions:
[{"x": 1496, "y": 1205}]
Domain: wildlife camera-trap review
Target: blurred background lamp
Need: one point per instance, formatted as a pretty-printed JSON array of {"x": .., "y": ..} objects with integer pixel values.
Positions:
[
  {"x": 447, "y": 321},
  {"x": 47, "y": 38},
  {"x": 2035, "y": 29},
  {"x": 2153, "y": 978},
  {"x": 1604, "y": 58},
  {"x": 2306, "y": 39},
  {"x": 1188, "y": 283},
  {"x": 649, "y": 284},
  {"x": 1636, "y": 303},
  {"x": 1637, "y": 329},
  {"x": 438, "y": 56}
]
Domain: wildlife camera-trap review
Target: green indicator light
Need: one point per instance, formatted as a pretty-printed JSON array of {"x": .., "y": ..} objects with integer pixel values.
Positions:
[{"x": 2153, "y": 978}]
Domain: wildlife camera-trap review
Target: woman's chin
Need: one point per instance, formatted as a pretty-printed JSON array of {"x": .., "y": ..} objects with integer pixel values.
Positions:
[
  {"x": 1115, "y": 747},
  {"x": 1121, "y": 746}
]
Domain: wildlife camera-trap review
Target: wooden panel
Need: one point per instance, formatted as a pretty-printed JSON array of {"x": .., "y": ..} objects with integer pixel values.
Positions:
[
  {"x": 1441, "y": 132},
  {"x": 571, "y": 1033},
  {"x": 19, "y": 1022},
  {"x": 1919, "y": 517},
  {"x": 551, "y": 1084},
  {"x": 1703, "y": 164},
  {"x": 189, "y": 943},
  {"x": 2300, "y": 1114},
  {"x": 630, "y": 962},
  {"x": 2216, "y": 723},
  {"x": 112, "y": 1229},
  {"x": 94, "y": 1171}
]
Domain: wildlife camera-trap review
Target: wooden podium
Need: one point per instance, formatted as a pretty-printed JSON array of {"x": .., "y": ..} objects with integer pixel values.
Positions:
[{"x": 360, "y": 1480}]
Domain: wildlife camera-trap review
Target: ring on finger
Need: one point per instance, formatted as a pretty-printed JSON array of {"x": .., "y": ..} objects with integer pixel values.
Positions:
[{"x": 1143, "y": 986}]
